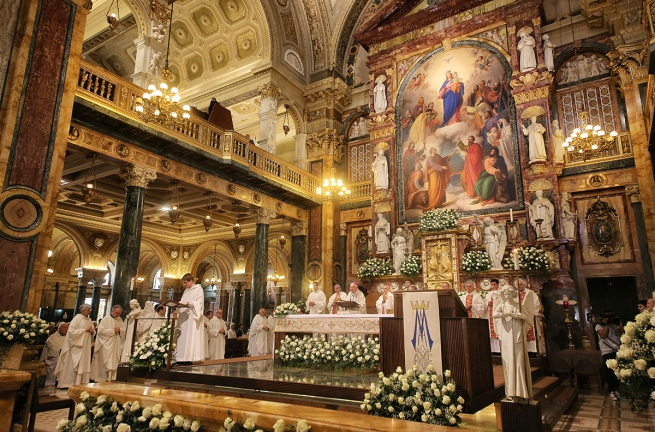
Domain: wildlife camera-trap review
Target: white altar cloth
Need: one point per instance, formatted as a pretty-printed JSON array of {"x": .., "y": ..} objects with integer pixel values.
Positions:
[{"x": 329, "y": 324}]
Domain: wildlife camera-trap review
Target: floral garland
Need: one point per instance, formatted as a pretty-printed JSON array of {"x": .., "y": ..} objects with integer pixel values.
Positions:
[
  {"x": 530, "y": 258},
  {"x": 286, "y": 309},
  {"x": 438, "y": 220},
  {"x": 152, "y": 351},
  {"x": 103, "y": 414},
  {"x": 339, "y": 353},
  {"x": 21, "y": 327},
  {"x": 635, "y": 361},
  {"x": 374, "y": 267},
  {"x": 475, "y": 261},
  {"x": 415, "y": 396},
  {"x": 412, "y": 266}
]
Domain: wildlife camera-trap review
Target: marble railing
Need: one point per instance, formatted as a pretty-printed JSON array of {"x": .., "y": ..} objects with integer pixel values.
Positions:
[
  {"x": 105, "y": 89},
  {"x": 359, "y": 191}
]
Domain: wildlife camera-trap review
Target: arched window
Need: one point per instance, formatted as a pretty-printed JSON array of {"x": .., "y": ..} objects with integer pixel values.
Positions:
[{"x": 155, "y": 281}]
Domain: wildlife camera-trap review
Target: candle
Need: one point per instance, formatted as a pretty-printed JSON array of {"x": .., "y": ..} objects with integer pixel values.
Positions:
[
  {"x": 515, "y": 254},
  {"x": 511, "y": 215},
  {"x": 131, "y": 284}
]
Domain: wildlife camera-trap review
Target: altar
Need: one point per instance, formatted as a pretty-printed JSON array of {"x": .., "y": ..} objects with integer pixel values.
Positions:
[{"x": 329, "y": 324}]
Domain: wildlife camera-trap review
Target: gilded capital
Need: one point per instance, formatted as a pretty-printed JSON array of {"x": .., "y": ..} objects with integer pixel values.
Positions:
[
  {"x": 628, "y": 62},
  {"x": 632, "y": 191},
  {"x": 299, "y": 229},
  {"x": 268, "y": 90},
  {"x": 264, "y": 216},
  {"x": 137, "y": 175}
]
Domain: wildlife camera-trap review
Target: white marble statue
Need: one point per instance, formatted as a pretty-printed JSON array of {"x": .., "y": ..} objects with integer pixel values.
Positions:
[
  {"x": 542, "y": 209},
  {"x": 382, "y": 231},
  {"x": 130, "y": 320},
  {"x": 580, "y": 68},
  {"x": 494, "y": 238},
  {"x": 527, "y": 58},
  {"x": 548, "y": 52},
  {"x": 557, "y": 138},
  {"x": 569, "y": 218},
  {"x": 363, "y": 127},
  {"x": 380, "y": 95},
  {"x": 155, "y": 65},
  {"x": 536, "y": 146},
  {"x": 399, "y": 246},
  {"x": 354, "y": 130},
  {"x": 380, "y": 171},
  {"x": 158, "y": 32}
]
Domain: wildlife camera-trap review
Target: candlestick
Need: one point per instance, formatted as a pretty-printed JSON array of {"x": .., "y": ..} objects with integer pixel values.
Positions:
[
  {"x": 515, "y": 254},
  {"x": 511, "y": 215},
  {"x": 131, "y": 284}
]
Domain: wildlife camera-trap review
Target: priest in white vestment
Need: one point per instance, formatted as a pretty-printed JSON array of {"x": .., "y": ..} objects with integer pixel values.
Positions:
[
  {"x": 493, "y": 323},
  {"x": 74, "y": 365},
  {"x": 514, "y": 321},
  {"x": 130, "y": 322},
  {"x": 531, "y": 334},
  {"x": 191, "y": 344},
  {"x": 385, "y": 302},
  {"x": 259, "y": 334},
  {"x": 50, "y": 353},
  {"x": 316, "y": 301},
  {"x": 232, "y": 333},
  {"x": 473, "y": 302},
  {"x": 337, "y": 296},
  {"x": 358, "y": 297},
  {"x": 208, "y": 317},
  {"x": 216, "y": 334},
  {"x": 107, "y": 350}
]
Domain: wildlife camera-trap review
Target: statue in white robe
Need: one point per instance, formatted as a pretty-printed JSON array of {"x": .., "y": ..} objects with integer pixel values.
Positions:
[
  {"x": 380, "y": 170},
  {"x": 146, "y": 321},
  {"x": 50, "y": 353},
  {"x": 216, "y": 333},
  {"x": 557, "y": 138},
  {"x": 74, "y": 365},
  {"x": 542, "y": 210},
  {"x": 536, "y": 146},
  {"x": 108, "y": 346},
  {"x": 130, "y": 320},
  {"x": 525, "y": 47},
  {"x": 259, "y": 335},
  {"x": 316, "y": 301},
  {"x": 382, "y": 231},
  {"x": 337, "y": 296},
  {"x": 380, "y": 95},
  {"x": 548, "y": 46},
  {"x": 495, "y": 241},
  {"x": 514, "y": 320},
  {"x": 191, "y": 345}
]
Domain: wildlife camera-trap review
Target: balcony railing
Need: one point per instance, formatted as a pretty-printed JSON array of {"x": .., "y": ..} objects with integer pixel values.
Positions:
[
  {"x": 103, "y": 88},
  {"x": 360, "y": 191}
]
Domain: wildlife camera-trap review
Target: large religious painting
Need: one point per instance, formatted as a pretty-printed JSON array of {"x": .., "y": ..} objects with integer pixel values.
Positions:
[{"x": 457, "y": 133}]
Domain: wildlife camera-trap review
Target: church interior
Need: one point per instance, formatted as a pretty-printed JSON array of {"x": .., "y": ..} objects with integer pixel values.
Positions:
[{"x": 270, "y": 147}]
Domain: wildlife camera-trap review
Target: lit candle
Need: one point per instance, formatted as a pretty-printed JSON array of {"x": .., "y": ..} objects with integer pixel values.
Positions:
[
  {"x": 511, "y": 215},
  {"x": 515, "y": 254},
  {"x": 131, "y": 284}
]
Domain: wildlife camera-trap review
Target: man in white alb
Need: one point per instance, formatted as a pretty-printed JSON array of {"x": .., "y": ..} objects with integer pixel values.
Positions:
[
  {"x": 108, "y": 346},
  {"x": 358, "y": 297},
  {"x": 208, "y": 317},
  {"x": 316, "y": 301},
  {"x": 191, "y": 344},
  {"x": 216, "y": 334},
  {"x": 259, "y": 334},
  {"x": 50, "y": 353},
  {"x": 231, "y": 333},
  {"x": 384, "y": 303},
  {"x": 337, "y": 296},
  {"x": 473, "y": 302},
  {"x": 74, "y": 365}
]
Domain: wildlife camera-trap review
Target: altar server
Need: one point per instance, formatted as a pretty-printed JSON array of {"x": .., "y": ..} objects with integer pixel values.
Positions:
[
  {"x": 191, "y": 345},
  {"x": 473, "y": 302},
  {"x": 337, "y": 296},
  {"x": 384, "y": 303},
  {"x": 531, "y": 335},
  {"x": 358, "y": 297},
  {"x": 74, "y": 365},
  {"x": 107, "y": 350},
  {"x": 258, "y": 345},
  {"x": 316, "y": 301},
  {"x": 216, "y": 334},
  {"x": 50, "y": 353}
]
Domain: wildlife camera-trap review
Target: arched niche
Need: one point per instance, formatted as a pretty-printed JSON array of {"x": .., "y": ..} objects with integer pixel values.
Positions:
[{"x": 202, "y": 260}]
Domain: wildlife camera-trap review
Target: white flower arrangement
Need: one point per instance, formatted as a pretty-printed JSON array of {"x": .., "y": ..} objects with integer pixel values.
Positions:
[
  {"x": 475, "y": 261},
  {"x": 21, "y": 328},
  {"x": 482, "y": 293},
  {"x": 412, "y": 266},
  {"x": 286, "y": 309},
  {"x": 231, "y": 425},
  {"x": 415, "y": 396},
  {"x": 635, "y": 362},
  {"x": 530, "y": 258},
  {"x": 438, "y": 220},
  {"x": 339, "y": 353},
  {"x": 103, "y": 414},
  {"x": 374, "y": 267},
  {"x": 152, "y": 351}
]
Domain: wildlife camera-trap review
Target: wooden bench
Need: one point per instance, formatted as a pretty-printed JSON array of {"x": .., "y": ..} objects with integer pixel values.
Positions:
[{"x": 36, "y": 404}]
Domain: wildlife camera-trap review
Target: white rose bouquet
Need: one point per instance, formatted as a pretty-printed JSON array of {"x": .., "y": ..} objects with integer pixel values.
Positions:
[
  {"x": 530, "y": 258},
  {"x": 152, "y": 351},
  {"x": 412, "y": 266},
  {"x": 635, "y": 362},
  {"x": 21, "y": 328},
  {"x": 374, "y": 267},
  {"x": 231, "y": 425},
  {"x": 286, "y": 309},
  {"x": 415, "y": 396},
  {"x": 438, "y": 220},
  {"x": 339, "y": 353},
  {"x": 475, "y": 261}
]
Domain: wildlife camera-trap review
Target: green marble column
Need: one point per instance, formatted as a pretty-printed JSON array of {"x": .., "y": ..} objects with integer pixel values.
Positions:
[
  {"x": 298, "y": 257},
  {"x": 235, "y": 315},
  {"x": 95, "y": 300},
  {"x": 260, "y": 261},
  {"x": 129, "y": 240},
  {"x": 246, "y": 318},
  {"x": 81, "y": 295},
  {"x": 635, "y": 199}
]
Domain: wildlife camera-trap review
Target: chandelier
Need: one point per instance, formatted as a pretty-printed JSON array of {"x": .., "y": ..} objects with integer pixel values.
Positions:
[
  {"x": 207, "y": 221},
  {"x": 332, "y": 188},
  {"x": 88, "y": 188},
  {"x": 275, "y": 278},
  {"x": 285, "y": 122},
  {"x": 158, "y": 105},
  {"x": 174, "y": 211},
  {"x": 588, "y": 139},
  {"x": 237, "y": 228},
  {"x": 113, "y": 19},
  {"x": 214, "y": 281}
]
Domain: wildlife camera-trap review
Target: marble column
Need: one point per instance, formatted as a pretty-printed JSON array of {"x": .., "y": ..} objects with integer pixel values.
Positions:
[
  {"x": 343, "y": 236},
  {"x": 301, "y": 151},
  {"x": 246, "y": 317},
  {"x": 298, "y": 256},
  {"x": 270, "y": 96},
  {"x": 129, "y": 240},
  {"x": 98, "y": 279},
  {"x": 40, "y": 47},
  {"x": 260, "y": 261},
  {"x": 635, "y": 199},
  {"x": 82, "y": 283},
  {"x": 237, "y": 296}
]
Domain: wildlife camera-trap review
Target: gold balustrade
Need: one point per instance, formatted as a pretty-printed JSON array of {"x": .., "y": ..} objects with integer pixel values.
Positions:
[
  {"x": 105, "y": 89},
  {"x": 359, "y": 191},
  {"x": 620, "y": 148}
]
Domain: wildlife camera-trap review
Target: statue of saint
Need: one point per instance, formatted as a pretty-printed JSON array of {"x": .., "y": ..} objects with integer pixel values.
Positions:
[
  {"x": 382, "y": 231},
  {"x": 380, "y": 171},
  {"x": 380, "y": 95},
  {"x": 569, "y": 218},
  {"x": 525, "y": 47},
  {"x": 494, "y": 238},
  {"x": 536, "y": 146},
  {"x": 557, "y": 138},
  {"x": 399, "y": 246},
  {"x": 542, "y": 216}
]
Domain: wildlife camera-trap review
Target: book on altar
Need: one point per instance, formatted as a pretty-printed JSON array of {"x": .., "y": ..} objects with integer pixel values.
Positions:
[
  {"x": 347, "y": 304},
  {"x": 175, "y": 305}
]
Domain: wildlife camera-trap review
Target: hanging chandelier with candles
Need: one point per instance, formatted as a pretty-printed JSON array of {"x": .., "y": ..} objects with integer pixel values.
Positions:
[
  {"x": 237, "y": 228},
  {"x": 89, "y": 188},
  {"x": 208, "y": 221},
  {"x": 174, "y": 210},
  {"x": 113, "y": 18},
  {"x": 588, "y": 140},
  {"x": 159, "y": 105},
  {"x": 333, "y": 188},
  {"x": 214, "y": 281}
]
